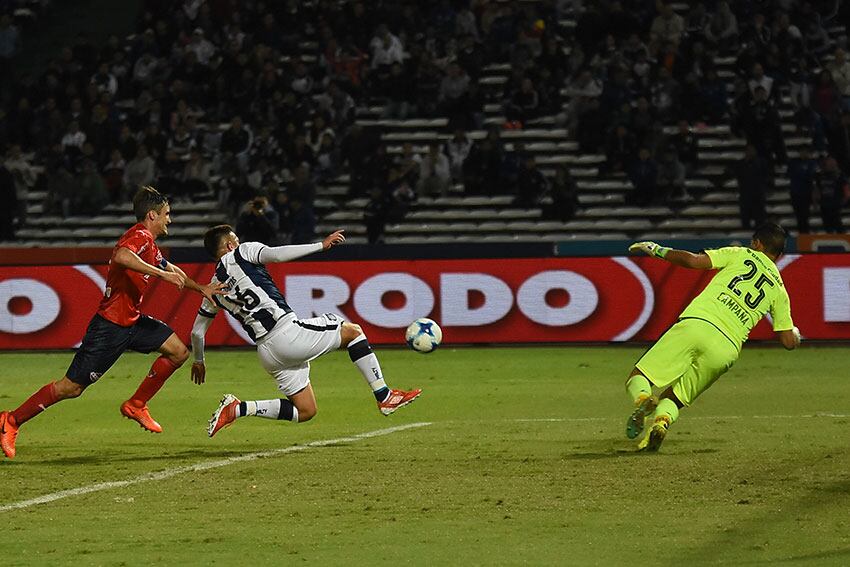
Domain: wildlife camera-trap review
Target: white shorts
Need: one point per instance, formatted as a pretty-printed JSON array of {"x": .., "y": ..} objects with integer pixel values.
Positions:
[{"x": 286, "y": 352}]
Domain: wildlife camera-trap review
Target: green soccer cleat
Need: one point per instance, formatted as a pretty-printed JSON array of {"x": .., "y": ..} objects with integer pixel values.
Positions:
[
  {"x": 652, "y": 442},
  {"x": 637, "y": 421}
]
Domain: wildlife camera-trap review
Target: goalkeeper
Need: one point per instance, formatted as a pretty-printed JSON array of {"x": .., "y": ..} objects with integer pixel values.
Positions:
[{"x": 706, "y": 340}]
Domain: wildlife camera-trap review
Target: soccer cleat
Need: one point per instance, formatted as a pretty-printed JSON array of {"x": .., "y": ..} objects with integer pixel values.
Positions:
[
  {"x": 397, "y": 399},
  {"x": 8, "y": 433},
  {"x": 652, "y": 442},
  {"x": 224, "y": 415},
  {"x": 141, "y": 415},
  {"x": 637, "y": 421}
]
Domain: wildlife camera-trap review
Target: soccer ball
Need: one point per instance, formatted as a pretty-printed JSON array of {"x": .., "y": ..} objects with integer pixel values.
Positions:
[{"x": 423, "y": 335}]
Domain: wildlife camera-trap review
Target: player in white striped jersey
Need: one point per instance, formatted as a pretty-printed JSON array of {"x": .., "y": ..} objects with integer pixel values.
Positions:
[{"x": 285, "y": 344}]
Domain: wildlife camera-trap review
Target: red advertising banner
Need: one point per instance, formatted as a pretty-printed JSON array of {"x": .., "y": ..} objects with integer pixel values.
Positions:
[{"x": 475, "y": 301}]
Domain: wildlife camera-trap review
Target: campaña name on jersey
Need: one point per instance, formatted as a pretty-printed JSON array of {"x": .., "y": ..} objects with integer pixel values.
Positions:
[{"x": 734, "y": 307}]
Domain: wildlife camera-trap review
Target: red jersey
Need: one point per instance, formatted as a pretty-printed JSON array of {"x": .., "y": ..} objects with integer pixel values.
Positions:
[{"x": 125, "y": 288}]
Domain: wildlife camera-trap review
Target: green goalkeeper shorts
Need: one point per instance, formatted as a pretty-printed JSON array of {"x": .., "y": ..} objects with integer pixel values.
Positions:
[{"x": 691, "y": 355}]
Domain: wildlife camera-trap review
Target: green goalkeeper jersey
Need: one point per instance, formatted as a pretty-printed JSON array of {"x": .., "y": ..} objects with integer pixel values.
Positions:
[{"x": 747, "y": 287}]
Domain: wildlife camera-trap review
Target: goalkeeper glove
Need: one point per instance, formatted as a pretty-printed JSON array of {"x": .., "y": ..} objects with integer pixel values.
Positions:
[{"x": 649, "y": 248}]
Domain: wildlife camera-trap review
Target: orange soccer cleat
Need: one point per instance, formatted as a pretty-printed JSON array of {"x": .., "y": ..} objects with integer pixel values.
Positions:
[
  {"x": 224, "y": 415},
  {"x": 397, "y": 399},
  {"x": 131, "y": 410},
  {"x": 8, "y": 433}
]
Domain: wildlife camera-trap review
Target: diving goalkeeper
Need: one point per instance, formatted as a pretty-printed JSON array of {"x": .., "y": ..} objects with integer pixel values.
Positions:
[{"x": 707, "y": 338}]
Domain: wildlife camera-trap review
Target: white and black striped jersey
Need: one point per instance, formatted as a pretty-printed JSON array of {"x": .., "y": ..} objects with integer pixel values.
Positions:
[{"x": 252, "y": 296}]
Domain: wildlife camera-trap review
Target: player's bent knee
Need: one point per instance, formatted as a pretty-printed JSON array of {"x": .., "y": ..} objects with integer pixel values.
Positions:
[
  {"x": 307, "y": 414},
  {"x": 350, "y": 331},
  {"x": 179, "y": 356},
  {"x": 66, "y": 389}
]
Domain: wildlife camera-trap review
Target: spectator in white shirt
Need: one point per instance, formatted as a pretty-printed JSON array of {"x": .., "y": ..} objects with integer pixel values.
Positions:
[
  {"x": 302, "y": 81},
  {"x": 581, "y": 91},
  {"x": 668, "y": 25},
  {"x": 434, "y": 172},
  {"x": 336, "y": 103},
  {"x": 465, "y": 24},
  {"x": 191, "y": 7},
  {"x": 458, "y": 149},
  {"x": 144, "y": 69},
  {"x": 386, "y": 48},
  {"x": 317, "y": 131},
  {"x": 759, "y": 79},
  {"x": 105, "y": 81},
  {"x": 75, "y": 138},
  {"x": 722, "y": 28},
  {"x": 201, "y": 47},
  {"x": 585, "y": 86},
  {"x": 24, "y": 176},
  {"x": 454, "y": 85}
]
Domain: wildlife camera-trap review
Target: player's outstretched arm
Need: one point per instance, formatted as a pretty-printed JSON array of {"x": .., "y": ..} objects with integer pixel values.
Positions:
[
  {"x": 790, "y": 339},
  {"x": 295, "y": 251},
  {"x": 130, "y": 260},
  {"x": 334, "y": 238},
  {"x": 679, "y": 257},
  {"x": 199, "y": 332},
  {"x": 199, "y": 372},
  {"x": 207, "y": 291}
]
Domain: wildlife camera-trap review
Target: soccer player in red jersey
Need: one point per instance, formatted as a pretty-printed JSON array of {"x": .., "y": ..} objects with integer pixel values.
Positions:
[{"x": 119, "y": 326}]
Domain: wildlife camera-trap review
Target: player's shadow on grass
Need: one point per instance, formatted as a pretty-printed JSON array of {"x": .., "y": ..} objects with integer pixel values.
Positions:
[
  {"x": 615, "y": 448},
  {"x": 815, "y": 558},
  {"x": 102, "y": 457},
  {"x": 601, "y": 450}
]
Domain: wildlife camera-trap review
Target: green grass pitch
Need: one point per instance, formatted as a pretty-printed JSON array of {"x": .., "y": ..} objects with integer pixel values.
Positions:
[{"x": 524, "y": 463}]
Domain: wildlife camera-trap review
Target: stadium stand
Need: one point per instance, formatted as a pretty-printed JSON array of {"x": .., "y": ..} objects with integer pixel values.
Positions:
[{"x": 523, "y": 99}]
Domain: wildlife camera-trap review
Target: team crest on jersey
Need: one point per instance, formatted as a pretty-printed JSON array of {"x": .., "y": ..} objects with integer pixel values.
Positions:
[{"x": 95, "y": 376}]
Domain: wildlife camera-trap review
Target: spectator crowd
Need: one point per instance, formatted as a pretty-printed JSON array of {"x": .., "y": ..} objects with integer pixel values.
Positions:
[{"x": 255, "y": 103}]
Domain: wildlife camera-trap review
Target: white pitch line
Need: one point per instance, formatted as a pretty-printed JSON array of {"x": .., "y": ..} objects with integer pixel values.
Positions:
[
  {"x": 168, "y": 473},
  {"x": 804, "y": 416},
  {"x": 559, "y": 419},
  {"x": 709, "y": 417}
]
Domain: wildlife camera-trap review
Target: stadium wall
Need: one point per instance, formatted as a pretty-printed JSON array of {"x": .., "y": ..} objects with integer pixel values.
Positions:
[
  {"x": 822, "y": 243},
  {"x": 508, "y": 300}
]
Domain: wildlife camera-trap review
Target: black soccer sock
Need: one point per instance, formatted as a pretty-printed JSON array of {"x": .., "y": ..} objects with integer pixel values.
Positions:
[
  {"x": 367, "y": 363},
  {"x": 269, "y": 409}
]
